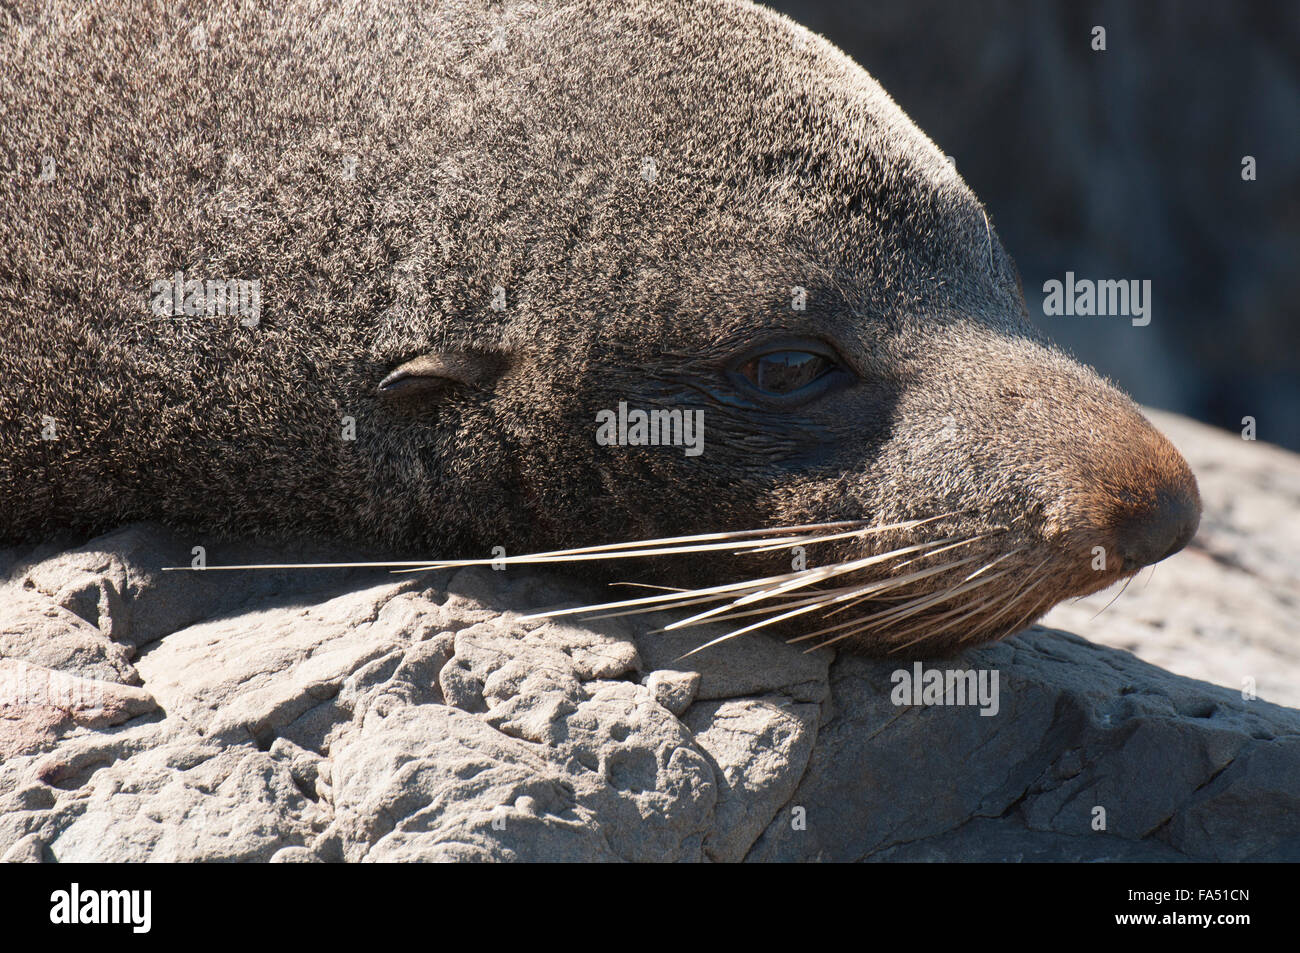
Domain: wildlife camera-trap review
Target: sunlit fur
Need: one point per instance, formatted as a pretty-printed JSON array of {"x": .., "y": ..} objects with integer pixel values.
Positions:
[{"x": 648, "y": 183}]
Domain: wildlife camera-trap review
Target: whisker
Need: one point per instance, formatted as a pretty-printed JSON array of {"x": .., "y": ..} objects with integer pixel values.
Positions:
[
  {"x": 969, "y": 612},
  {"x": 806, "y": 577},
  {"x": 990, "y": 565},
  {"x": 668, "y": 600},
  {"x": 902, "y": 612},
  {"x": 1117, "y": 595},
  {"x": 819, "y": 596},
  {"x": 769, "y": 547},
  {"x": 668, "y": 606},
  {"x": 542, "y": 559},
  {"x": 661, "y": 601},
  {"x": 781, "y": 597},
  {"x": 672, "y": 541},
  {"x": 1011, "y": 604},
  {"x": 642, "y": 610},
  {"x": 674, "y": 546},
  {"x": 646, "y": 585},
  {"x": 830, "y": 597},
  {"x": 361, "y": 565},
  {"x": 1023, "y": 620},
  {"x": 890, "y": 615},
  {"x": 991, "y": 532},
  {"x": 751, "y": 591},
  {"x": 899, "y": 581},
  {"x": 949, "y": 565},
  {"x": 962, "y": 612},
  {"x": 813, "y": 604}
]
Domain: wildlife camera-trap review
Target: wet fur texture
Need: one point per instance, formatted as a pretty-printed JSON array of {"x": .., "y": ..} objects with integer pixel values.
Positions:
[{"x": 505, "y": 145}]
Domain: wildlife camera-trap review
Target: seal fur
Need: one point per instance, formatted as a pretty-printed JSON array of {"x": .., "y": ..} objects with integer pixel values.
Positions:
[{"x": 642, "y": 186}]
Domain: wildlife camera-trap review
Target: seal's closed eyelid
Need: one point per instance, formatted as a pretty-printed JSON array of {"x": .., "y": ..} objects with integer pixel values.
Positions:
[{"x": 437, "y": 372}]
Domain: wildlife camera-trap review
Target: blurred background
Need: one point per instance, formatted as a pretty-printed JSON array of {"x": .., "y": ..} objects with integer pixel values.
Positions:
[{"x": 1123, "y": 164}]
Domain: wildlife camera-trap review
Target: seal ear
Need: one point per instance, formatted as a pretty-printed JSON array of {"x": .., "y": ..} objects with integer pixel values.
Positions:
[{"x": 438, "y": 372}]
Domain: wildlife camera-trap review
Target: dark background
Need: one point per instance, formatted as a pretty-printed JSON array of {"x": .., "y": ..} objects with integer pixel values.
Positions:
[{"x": 1123, "y": 164}]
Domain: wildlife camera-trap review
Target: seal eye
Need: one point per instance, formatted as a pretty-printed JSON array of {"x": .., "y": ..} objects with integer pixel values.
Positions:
[{"x": 782, "y": 373}]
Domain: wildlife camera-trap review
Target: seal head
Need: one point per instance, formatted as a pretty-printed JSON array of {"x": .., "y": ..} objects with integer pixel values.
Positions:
[{"x": 475, "y": 230}]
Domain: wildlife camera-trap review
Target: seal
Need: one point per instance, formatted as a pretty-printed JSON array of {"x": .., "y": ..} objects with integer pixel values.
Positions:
[{"x": 439, "y": 277}]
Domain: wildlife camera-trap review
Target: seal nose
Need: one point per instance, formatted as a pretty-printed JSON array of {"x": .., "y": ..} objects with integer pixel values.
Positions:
[
  {"x": 1161, "y": 528},
  {"x": 1141, "y": 496}
]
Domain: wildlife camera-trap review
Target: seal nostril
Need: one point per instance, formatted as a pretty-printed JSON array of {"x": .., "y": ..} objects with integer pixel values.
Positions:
[
  {"x": 1190, "y": 523},
  {"x": 1160, "y": 531}
]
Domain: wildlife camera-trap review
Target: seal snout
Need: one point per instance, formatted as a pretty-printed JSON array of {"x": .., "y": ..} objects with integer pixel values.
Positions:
[
  {"x": 1127, "y": 500},
  {"x": 1162, "y": 529},
  {"x": 1155, "y": 508}
]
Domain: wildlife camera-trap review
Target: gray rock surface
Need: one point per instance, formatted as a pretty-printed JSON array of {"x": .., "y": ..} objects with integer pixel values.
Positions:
[{"x": 344, "y": 715}]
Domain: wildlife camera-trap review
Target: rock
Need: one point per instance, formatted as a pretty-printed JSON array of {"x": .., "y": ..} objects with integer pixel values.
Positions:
[
  {"x": 232, "y": 804},
  {"x": 333, "y": 715},
  {"x": 38, "y": 705},
  {"x": 27, "y": 850},
  {"x": 674, "y": 690},
  {"x": 759, "y": 749},
  {"x": 1083, "y": 733}
]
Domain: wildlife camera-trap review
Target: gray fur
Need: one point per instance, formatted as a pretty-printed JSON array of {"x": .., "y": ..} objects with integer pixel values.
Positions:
[{"x": 506, "y": 145}]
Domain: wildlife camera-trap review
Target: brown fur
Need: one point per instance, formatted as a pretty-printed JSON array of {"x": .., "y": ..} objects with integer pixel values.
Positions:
[{"x": 503, "y": 145}]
